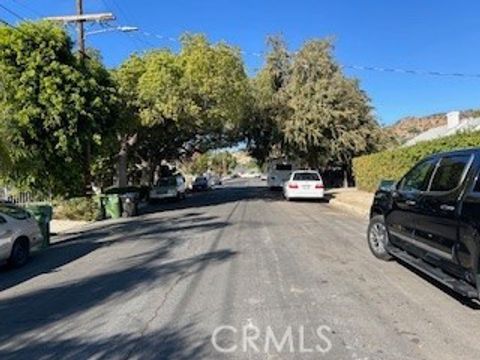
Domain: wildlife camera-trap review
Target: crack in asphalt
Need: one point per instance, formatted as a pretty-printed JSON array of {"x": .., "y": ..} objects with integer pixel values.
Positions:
[{"x": 182, "y": 277}]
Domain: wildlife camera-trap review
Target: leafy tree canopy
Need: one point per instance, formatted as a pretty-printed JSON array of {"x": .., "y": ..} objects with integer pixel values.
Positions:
[
  {"x": 305, "y": 107},
  {"x": 184, "y": 103},
  {"x": 53, "y": 105}
]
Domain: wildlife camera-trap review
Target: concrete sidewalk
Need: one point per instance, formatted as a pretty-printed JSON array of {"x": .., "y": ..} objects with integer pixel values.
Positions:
[
  {"x": 65, "y": 226},
  {"x": 354, "y": 201}
]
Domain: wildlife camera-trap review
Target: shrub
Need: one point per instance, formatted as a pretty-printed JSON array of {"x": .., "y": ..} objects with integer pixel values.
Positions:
[
  {"x": 81, "y": 208},
  {"x": 393, "y": 164}
]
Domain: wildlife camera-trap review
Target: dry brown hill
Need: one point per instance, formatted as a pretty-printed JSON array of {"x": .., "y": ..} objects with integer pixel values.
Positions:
[{"x": 410, "y": 126}]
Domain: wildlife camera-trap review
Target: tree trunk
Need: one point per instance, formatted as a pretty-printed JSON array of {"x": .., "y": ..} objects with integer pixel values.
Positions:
[
  {"x": 87, "y": 173},
  {"x": 146, "y": 177},
  {"x": 122, "y": 164},
  {"x": 347, "y": 173},
  {"x": 345, "y": 177},
  {"x": 157, "y": 171},
  {"x": 125, "y": 143}
]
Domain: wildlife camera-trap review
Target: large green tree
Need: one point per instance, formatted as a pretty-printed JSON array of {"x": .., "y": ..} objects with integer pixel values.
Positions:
[
  {"x": 330, "y": 118},
  {"x": 4, "y": 159},
  {"x": 56, "y": 109},
  {"x": 306, "y": 108},
  {"x": 183, "y": 103},
  {"x": 262, "y": 127}
]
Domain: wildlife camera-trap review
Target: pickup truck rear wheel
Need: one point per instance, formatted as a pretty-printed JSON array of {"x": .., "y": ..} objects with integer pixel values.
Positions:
[{"x": 378, "y": 238}]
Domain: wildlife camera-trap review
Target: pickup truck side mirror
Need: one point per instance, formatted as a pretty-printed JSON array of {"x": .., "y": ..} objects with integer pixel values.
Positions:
[{"x": 387, "y": 185}]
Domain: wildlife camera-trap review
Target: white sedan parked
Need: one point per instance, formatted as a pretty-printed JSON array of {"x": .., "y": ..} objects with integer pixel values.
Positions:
[
  {"x": 304, "y": 184},
  {"x": 19, "y": 233}
]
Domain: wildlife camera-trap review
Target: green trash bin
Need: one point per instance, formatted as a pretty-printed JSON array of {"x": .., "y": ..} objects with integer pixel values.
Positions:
[
  {"x": 113, "y": 206},
  {"x": 43, "y": 213}
]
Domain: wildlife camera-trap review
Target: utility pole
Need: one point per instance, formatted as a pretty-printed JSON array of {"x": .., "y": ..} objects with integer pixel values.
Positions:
[
  {"x": 80, "y": 19},
  {"x": 80, "y": 29}
]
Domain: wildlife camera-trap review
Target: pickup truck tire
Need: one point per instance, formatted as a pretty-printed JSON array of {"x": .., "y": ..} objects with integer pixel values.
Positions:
[
  {"x": 20, "y": 252},
  {"x": 378, "y": 238}
]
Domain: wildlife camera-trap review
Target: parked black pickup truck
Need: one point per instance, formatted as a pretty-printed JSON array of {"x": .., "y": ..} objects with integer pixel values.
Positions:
[{"x": 430, "y": 219}]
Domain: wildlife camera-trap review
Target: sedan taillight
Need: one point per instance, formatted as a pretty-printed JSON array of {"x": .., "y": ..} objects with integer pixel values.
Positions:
[
  {"x": 319, "y": 186},
  {"x": 293, "y": 186}
]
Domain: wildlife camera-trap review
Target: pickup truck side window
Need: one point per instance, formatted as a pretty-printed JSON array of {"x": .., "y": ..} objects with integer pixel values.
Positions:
[
  {"x": 476, "y": 188},
  {"x": 449, "y": 173},
  {"x": 418, "y": 178}
]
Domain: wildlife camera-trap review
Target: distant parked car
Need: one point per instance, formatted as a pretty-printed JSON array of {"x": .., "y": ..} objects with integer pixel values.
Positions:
[
  {"x": 215, "y": 180},
  {"x": 171, "y": 187},
  {"x": 19, "y": 234},
  {"x": 304, "y": 184},
  {"x": 200, "y": 184},
  {"x": 264, "y": 177}
]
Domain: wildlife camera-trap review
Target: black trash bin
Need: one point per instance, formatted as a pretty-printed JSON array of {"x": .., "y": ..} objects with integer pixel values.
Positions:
[
  {"x": 101, "y": 201},
  {"x": 129, "y": 203}
]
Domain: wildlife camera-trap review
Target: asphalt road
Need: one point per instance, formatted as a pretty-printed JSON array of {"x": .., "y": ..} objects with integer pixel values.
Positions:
[{"x": 237, "y": 267}]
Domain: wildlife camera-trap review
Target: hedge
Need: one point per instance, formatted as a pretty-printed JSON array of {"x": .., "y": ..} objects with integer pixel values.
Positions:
[
  {"x": 81, "y": 208},
  {"x": 393, "y": 164}
]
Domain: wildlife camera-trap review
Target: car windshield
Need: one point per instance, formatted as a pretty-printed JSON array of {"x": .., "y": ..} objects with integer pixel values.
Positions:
[
  {"x": 306, "y": 176},
  {"x": 14, "y": 212}
]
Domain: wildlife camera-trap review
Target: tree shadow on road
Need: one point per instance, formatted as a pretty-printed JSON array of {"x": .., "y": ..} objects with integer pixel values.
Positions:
[
  {"x": 217, "y": 197},
  {"x": 171, "y": 342},
  {"x": 72, "y": 247},
  {"x": 35, "y": 311}
]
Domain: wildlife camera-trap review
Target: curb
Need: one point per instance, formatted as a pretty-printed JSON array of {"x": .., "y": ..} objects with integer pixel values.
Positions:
[{"x": 355, "y": 210}]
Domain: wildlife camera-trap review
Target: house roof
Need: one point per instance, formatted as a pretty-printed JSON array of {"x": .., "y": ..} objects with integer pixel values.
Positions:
[{"x": 471, "y": 124}]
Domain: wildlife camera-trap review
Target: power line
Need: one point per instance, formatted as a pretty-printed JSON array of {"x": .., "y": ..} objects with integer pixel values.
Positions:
[
  {"x": 352, "y": 67},
  {"x": 124, "y": 14},
  {"x": 411, "y": 72},
  {"x": 260, "y": 54},
  {"x": 12, "y": 12},
  {"x": 12, "y": 27},
  {"x": 6, "y": 23},
  {"x": 28, "y": 8}
]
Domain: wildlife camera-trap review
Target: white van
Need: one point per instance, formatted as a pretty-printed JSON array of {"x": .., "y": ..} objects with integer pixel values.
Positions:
[{"x": 278, "y": 173}]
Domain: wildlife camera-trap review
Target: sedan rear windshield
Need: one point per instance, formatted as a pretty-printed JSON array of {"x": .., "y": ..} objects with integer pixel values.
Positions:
[
  {"x": 14, "y": 212},
  {"x": 306, "y": 177}
]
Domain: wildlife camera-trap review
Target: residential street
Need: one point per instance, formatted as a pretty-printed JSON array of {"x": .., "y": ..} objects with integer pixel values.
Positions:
[{"x": 158, "y": 285}]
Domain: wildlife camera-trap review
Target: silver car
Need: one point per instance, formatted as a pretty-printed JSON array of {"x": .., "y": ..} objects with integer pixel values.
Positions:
[
  {"x": 172, "y": 187},
  {"x": 19, "y": 233}
]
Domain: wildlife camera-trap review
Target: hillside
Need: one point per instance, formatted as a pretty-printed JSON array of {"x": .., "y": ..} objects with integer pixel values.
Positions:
[{"x": 408, "y": 127}]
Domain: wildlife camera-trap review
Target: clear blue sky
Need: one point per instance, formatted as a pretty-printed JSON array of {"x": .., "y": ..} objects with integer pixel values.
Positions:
[{"x": 412, "y": 34}]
